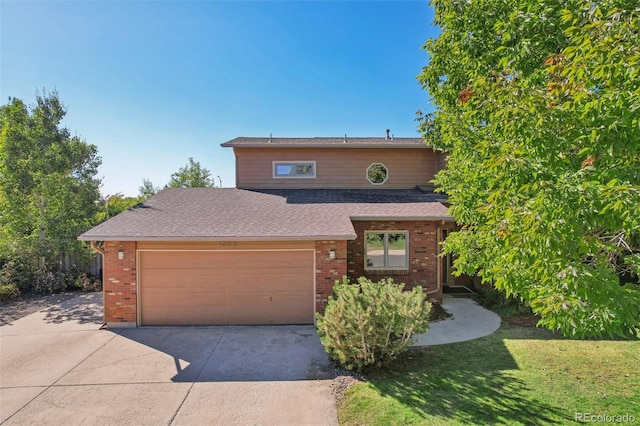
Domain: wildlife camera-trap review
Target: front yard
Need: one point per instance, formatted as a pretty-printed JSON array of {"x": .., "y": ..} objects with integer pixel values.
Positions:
[{"x": 518, "y": 375}]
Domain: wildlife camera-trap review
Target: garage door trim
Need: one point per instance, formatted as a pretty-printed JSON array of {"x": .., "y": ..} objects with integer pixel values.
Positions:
[{"x": 139, "y": 281}]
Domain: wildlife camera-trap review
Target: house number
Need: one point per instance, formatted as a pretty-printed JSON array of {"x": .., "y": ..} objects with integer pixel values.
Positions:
[{"x": 228, "y": 243}]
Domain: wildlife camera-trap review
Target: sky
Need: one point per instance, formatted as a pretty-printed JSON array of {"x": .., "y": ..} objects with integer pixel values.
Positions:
[{"x": 154, "y": 83}]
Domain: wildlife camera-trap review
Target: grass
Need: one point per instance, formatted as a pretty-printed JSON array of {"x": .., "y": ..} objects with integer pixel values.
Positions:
[{"x": 518, "y": 375}]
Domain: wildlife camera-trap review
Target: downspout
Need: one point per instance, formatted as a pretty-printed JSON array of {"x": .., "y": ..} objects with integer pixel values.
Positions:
[{"x": 98, "y": 249}]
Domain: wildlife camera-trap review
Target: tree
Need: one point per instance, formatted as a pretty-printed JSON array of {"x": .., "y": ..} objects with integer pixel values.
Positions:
[
  {"x": 147, "y": 189},
  {"x": 48, "y": 190},
  {"x": 115, "y": 204},
  {"x": 191, "y": 175},
  {"x": 538, "y": 105}
]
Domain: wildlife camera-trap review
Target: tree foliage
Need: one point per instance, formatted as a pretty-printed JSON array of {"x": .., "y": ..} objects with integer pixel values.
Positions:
[
  {"x": 48, "y": 189},
  {"x": 115, "y": 204},
  {"x": 147, "y": 189},
  {"x": 538, "y": 106},
  {"x": 192, "y": 175}
]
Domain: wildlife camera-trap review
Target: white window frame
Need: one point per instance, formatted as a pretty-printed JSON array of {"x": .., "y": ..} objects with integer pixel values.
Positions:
[
  {"x": 386, "y": 266},
  {"x": 366, "y": 173},
  {"x": 275, "y": 164}
]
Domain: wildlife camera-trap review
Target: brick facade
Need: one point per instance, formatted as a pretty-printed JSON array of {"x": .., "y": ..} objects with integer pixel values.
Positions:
[
  {"x": 423, "y": 255},
  {"x": 329, "y": 270},
  {"x": 119, "y": 275},
  {"x": 119, "y": 284}
]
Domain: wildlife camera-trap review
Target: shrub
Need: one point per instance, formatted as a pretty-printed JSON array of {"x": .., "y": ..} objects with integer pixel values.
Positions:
[
  {"x": 18, "y": 271},
  {"x": 88, "y": 283},
  {"x": 500, "y": 303},
  {"x": 8, "y": 292},
  {"x": 371, "y": 323}
]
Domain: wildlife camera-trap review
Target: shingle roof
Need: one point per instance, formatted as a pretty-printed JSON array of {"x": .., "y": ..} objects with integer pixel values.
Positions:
[
  {"x": 236, "y": 214},
  {"x": 326, "y": 142}
]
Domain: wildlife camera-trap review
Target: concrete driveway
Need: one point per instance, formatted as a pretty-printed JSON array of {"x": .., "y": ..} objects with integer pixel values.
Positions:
[{"x": 57, "y": 367}]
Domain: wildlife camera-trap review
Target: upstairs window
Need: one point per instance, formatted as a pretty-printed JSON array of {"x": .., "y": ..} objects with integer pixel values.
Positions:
[
  {"x": 387, "y": 250},
  {"x": 377, "y": 174},
  {"x": 294, "y": 169}
]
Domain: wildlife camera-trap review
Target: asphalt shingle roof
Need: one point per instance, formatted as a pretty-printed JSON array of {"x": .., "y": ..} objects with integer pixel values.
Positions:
[
  {"x": 237, "y": 214},
  {"x": 326, "y": 142}
]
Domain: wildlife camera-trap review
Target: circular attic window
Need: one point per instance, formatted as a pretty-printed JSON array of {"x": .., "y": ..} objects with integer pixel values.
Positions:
[{"x": 377, "y": 173}]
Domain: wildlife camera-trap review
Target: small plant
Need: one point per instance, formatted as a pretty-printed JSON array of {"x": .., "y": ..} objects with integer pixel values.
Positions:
[
  {"x": 371, "y": 323},
  {"x": 8, "y": 292}
]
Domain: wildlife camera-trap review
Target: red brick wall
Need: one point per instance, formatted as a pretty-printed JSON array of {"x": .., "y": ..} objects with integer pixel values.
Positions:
[
  {"x": 119, "y": 283},
  {"x": 423, "y": 260},
  {"x": 329, "y": 270}
]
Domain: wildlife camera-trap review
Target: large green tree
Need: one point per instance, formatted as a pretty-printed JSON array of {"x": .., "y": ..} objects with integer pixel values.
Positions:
[
  {"x": 538, "y": 105},
  {"x": 48, "y": 190},
  {"x": 192, "y": 175}
]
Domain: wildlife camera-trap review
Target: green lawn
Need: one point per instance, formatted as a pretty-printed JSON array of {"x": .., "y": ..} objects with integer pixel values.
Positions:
[{"x": 518, "y": 375}]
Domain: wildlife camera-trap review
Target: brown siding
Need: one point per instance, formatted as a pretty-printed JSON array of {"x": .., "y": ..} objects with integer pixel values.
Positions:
[
  {"x": 423, "y": 255},
  {"x": 336, "y": 168}
]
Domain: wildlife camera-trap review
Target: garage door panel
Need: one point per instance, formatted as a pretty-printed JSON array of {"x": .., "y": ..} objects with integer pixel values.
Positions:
[
  {"x": 215, "y": 287},
  {"x": 265, "y": 259},
  {"x": 280, "y": 279},
  {"x": 182, "y": 260},
  {"x": 165, "y": 278}
]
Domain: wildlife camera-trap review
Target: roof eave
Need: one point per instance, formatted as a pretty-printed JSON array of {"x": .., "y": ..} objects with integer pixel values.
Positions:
[
  {"x": 350, "y": 236},
  {"x": 318, "y": 145},
  {"x": 445, "y": 218}
]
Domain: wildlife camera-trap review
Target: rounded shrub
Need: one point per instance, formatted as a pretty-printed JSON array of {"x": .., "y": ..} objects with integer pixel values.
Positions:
[
  {"x": 8, "y": 292},
  {"x": 371, "y": 323}
]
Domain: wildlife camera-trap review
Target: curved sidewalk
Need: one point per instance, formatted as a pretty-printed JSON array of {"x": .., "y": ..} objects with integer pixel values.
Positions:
[{"x": 469, "y": 321}]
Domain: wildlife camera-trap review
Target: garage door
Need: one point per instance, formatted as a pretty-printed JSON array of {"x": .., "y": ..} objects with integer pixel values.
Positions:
[{"x": 229, "y": 287}]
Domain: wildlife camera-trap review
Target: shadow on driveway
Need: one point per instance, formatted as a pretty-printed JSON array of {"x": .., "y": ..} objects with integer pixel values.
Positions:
[
  {"x": 84, "y": 309},
  {"x": 237, "y": 353}
]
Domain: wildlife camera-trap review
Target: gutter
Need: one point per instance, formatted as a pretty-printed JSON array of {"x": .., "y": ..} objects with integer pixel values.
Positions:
[{"x": 92, "y": 238}]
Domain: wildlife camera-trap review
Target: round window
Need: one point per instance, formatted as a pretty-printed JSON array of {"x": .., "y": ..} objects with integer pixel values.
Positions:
[{"x": 377, "y": 173}]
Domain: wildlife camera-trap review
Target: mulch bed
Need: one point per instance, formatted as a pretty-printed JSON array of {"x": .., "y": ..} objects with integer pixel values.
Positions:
[
  {"x": 438, "y": 313},
  {"x": 523, "y": 320}
]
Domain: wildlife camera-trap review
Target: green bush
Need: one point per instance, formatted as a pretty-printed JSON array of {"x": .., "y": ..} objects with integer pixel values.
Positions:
[
  {"x": 18, "y": 271},
  {"x": 500, "y": 303},
  {"x": 8, "y": 292},
  {"x": 371, "y": 323}
]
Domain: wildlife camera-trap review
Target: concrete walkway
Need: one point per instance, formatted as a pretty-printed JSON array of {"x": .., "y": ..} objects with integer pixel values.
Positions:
[{"x": 469, "y": 321}]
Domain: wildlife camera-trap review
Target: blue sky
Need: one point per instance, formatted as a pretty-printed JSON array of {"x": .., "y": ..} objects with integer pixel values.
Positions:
[{"x": 153, "y": 83}]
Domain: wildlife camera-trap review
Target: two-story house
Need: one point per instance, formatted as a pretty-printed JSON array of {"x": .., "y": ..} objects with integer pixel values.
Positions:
[{"x": 305, "y": 213}]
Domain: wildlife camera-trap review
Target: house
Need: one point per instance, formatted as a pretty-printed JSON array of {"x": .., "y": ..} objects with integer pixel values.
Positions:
[{"x": 305, "y": 213}]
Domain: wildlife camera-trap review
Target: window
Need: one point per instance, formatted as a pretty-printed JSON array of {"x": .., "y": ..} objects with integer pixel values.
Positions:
[
  {"x": 294, "y": 169},
  {"x": 387, "y": 250},
  {"x": 377, "y": 173}
]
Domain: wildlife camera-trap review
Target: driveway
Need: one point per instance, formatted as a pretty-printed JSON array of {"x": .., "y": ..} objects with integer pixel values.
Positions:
[{"x": 57, "y": 367}]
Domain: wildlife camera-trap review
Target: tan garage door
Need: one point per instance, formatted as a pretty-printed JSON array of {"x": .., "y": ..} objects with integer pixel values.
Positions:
[{"x": 230, "y": 287}]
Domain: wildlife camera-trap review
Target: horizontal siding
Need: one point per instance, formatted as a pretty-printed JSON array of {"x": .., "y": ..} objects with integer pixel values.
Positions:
[{"x": 336, "y": 168}]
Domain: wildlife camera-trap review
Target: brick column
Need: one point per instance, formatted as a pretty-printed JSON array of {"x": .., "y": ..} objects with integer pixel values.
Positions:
[
  {"x": 119, "y": 284},
  {"x": 329, "y": 270}
]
